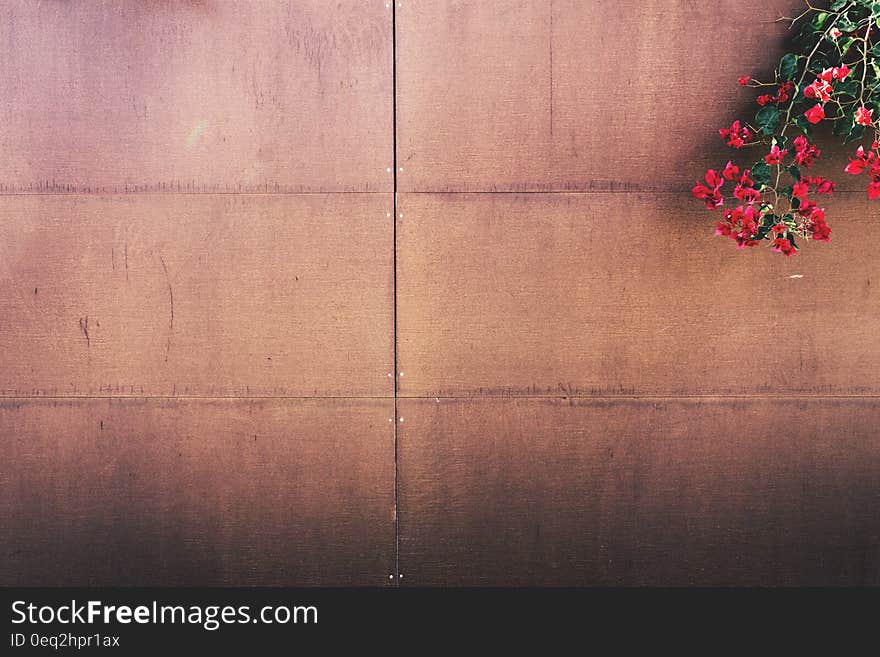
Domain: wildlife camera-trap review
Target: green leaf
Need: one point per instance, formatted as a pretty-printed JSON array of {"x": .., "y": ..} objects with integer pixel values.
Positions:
[
  {"x": 805, "y": 126},
  {"x": 844, "y": 24},
  {"x": 788, "y": 67},
  {"x": 819, "y": 20},
  {"x": 837, "y": 4},
  {"x": 795, "y": 171},
  {"x": 766, "y": 119},
  {"x": 848, "y": 88},
  {"x": 761, "y": 173},
  {"x": 841, "y": 128},
  {"x": 855, "y": 134}
]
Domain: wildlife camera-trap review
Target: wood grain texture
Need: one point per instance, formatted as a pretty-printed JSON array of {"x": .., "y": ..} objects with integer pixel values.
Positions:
[
  {"x": 602, "y": 95},
  {"x": 640, "y": 492},
  {"x": 219, "y": 95},
  {"x": 607, "y": 294},
  {"x": 201, "y": 295},
  {"x": 220, "y": 492}
]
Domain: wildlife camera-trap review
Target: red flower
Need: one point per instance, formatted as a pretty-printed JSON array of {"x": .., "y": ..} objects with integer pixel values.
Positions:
[
  {"x": 800, "y": 190},
  {"x": 874, "y": 190},
  {"x": 820, "y": 89},
  {"x": 827, "y": 75},
  {"x": 741, "y": 225},
  {"x": 780, "y": 229},
  {"x": 775, "y": 155},
  {"x": 863, "y": 116},
  {"x": 834, "y": 33},
  {"x": 823, "y": 185},
  {"x": 765, "y": 99},
  {"x": 709, "y": 192},
  {"x": 820, "y": 230},
  {"x": 855, "y": 167},
  {"x": 782, "y": 245},
  {"x": 841, "y": 72},
  {"x": 807, "y": 208},
  {"x": 736, "y": 135},
  {"x": 746, "y": 194},
  {"x": 744, "y": 80},
  {"x": 713, "y": 179},
  {"x": 785, "y": 90},
  {"x": 731, "y": 171},
  {"x": 805, "y": 152},
  {"x": 815, "y": 114},
  {"x": 862, "y": 160}
]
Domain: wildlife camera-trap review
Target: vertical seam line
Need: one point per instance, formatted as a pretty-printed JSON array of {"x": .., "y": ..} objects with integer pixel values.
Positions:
[{"x": 396, "y": 372}]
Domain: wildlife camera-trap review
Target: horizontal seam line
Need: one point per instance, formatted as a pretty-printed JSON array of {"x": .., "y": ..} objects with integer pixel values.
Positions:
[
  {"x": 625, "y": 397},
  {"x": 453, "y": 397},
  {"x": 161, "y": 193},
  {"x": 681, "y": 192},
  {"x": 186, "y": 397}
]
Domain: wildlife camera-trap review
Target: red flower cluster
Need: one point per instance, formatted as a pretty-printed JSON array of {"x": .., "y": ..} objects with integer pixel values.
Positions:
[
  {"x": 805, "y": 152},
  {"x": 775, "y": 155},
  {"x": 867, "y": 161},
  {"x": 710, "y": 190},
  {"x": 814, "y": 221},
  {"x": 736, "y": 135},
  {"x": 741, "y": 225},
  {"x": 781, "y": 244},
  {"x": 782, "y": 95},
  {"x": 822, "y": 185},
  {"x": 774, "y": 198},
  {"x": 821, "y": 90}
]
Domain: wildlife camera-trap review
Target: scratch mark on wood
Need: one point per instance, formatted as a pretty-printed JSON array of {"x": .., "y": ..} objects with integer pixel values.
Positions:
[
  {"x": 84, "y": 327},
  {"x": 171, "y": 304}
]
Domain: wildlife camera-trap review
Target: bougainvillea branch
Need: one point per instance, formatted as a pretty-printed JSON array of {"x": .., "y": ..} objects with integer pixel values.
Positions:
[{"x": 831, "y": 76}]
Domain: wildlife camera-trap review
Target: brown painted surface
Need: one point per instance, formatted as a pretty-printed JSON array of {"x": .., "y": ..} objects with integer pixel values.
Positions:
[
  {"x": 153, "y": 154},
  {"x": 218, "y": 295},
  {"x": 566, "y": 94},
  {"x": 213, "y": 95},
  {"x": 618, "y": 293},
  {"x": 634, "y": 492},
  {"x": 583, "y": 294},
  {"x": 160, "y": 492}
]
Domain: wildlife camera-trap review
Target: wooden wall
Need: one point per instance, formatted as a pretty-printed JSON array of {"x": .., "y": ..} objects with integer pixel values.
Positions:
[{"x": 238, "y": 347}]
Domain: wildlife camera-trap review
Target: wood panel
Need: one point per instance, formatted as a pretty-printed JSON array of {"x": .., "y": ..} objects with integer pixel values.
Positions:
[
  {"x": 607, "y": 294},
  {"x": 573, "y": 95},
  {"x": 640, "y": 492},
  {"x": 244, "y": 295},
  {"x": 276, "y": 95},
  {"x": 197, "y": 492}
]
